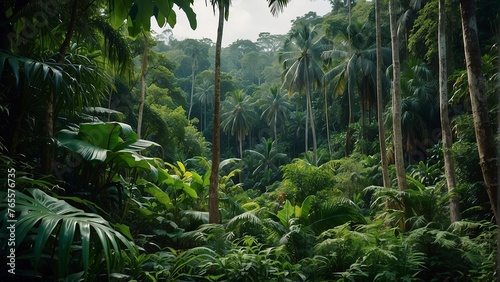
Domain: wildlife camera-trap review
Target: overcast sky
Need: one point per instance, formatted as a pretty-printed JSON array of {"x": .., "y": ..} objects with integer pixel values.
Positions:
[{"x": 247, "y": 18}]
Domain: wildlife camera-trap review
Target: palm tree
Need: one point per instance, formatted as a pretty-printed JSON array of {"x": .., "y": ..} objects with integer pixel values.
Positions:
[
  {"x": 196, "y": 53},
  {"x": 418, "y": 105},
  {"x": 223, "y": 9},
  {"x": 380, "y": 104},
  {"x": 302, "y": 70},
  {"x": 238, "y": 116},
  {"x": 204, "y": 93},
  {"x": 144, "y": 71},
  {"x": 396, "y": 100},
  {"x": 449, "y": 165},
  {"x": 357, "y": 70},
  {"x": 267, "y": 155},
  {"x": 213, "y": 200},
  {"x": 276, "y": 109}
]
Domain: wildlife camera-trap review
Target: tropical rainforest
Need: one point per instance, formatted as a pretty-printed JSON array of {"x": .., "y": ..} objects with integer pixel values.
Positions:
[{"x": 359, "y": 146}]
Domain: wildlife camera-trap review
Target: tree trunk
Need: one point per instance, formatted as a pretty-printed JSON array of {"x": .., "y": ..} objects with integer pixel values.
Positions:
[
  {"x": 241, "y": 136},
  {"x": 144, "y": 70},
  {"x": 306, "y": 128},
  {"x": 477, "y": 90},
  {"x": 348, "y": 137},
  {"x": 213, "y": 200},
  {"x": 449, "y": 166},
  {"x": 380, "y": 104},
  {"x": 193, "y": 67},
  {"x": 313, "y": 128},
  {"x": 327, "y": 123},
  {"x": 48, "y": 148},
  {"x": 396, "y": 100}
]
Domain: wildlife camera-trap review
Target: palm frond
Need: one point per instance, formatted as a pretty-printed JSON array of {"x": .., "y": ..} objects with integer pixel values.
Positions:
[{"x": 44, "y": 216}]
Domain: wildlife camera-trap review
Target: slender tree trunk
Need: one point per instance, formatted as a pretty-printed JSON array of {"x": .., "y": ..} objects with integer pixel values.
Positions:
[
  {"x": 213, "y": 200},
  {"x": 275, "y": 127},
  {"x": 240, "y": 139},
  {"x": 144, "y": 70},
  {"x": 477, "y": 90},
  {"x": 449, "y": 166},
  {"x": 396, "y": 100},
  {"x": 380, "y": 103},
  {"x": 348, "y": 137},
  {"x": 327, "y": 123},
  {"x": 306, "y": 128},
  {"x": 193, "y": 67},
  {"x": 313, "y": 128},
  {"x": 313, "y": 131},
  {"x": 49, "y": 150}
]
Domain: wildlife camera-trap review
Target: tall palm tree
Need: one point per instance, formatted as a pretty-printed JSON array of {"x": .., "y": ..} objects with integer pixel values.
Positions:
[
  {"x": 380, "y": 104},
  {"x": 196, "y": 53},
  {"x": 302, "y": 69},
  {"x": 449, "y": 165},
  {"x": 223, "y": 11},
  {"x": 418, "y": 105},
  {"x": 276, "y": 109},
  {"x": 204, "y": 93},
  {"x": 238, "y": 116},
  {"x": 144, "y": 71},
  {"x": 213, "y": 194},
  {"x": 396, "y": 100},
  {"x": 357, "y": 69}
]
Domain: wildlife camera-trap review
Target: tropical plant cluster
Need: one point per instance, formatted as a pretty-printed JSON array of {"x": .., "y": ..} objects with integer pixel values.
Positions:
[{"x": 110, "y": 129}]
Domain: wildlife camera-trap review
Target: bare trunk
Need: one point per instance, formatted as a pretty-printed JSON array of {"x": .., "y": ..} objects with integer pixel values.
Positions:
[
  {"x": 48, "y": 148},
  {"x": 275, "y": 128},
  {"x": 144, "y": 70},
  {"x": 213, "y": 205},
  {"x": 349, "y": 98},
  {"x": 380, "y": 103},
  {"x": 327, "y": 123},
  {"x": 240, "y": 139},
  {"x": 449, "y": 166},
  {"x": 193, "y": 67},
  {"x": 477, "y": 90},
  {"x": 396, "y": 100},
  {"x": 313, "y": 129},
  {"x": 306, "y": 128}
]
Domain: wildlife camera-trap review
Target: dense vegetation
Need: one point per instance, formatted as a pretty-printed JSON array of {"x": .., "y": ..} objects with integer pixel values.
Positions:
[{"x": 106, "y": 143}]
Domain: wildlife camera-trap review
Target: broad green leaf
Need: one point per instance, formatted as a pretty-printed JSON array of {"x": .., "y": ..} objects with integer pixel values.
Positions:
[
  {"x": 159, "y": 195},
  {"x": 190, "y": 191},
  {"x": 185, "y": 5},
  {"x": 206, "y": 178},
  {"x": 14, "y": 64},
  {"x": 160, "y": 18},
  {"x": 87, "y": 151},
  {"x": 124, "y": 229},
  {"x": 305, "y": 208},
  {"x": 181, "y": 167},
  {"x": 197, "y": 178},
  {"x": 165, "y": 9},
  {"x": 119, "y": 12},
  {"x": 286, "y": 213},
  {"x": 103, "y": 135}
]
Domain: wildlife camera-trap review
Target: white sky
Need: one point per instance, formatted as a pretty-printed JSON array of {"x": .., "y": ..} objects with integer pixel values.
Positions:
[{"x": 247, "y": 18}]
